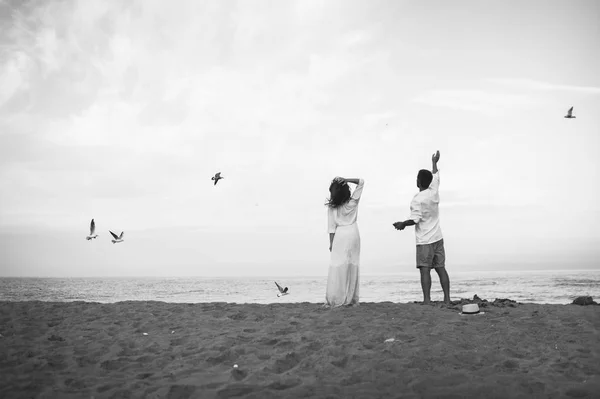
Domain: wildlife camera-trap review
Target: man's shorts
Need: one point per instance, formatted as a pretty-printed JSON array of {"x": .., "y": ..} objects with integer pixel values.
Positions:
[{"x": 431, "y": 255}]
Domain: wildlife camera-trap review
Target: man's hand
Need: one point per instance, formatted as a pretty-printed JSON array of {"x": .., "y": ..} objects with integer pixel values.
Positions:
[
  {"x": 399, "y": 225},
  {"x": 434, "y": 160}
]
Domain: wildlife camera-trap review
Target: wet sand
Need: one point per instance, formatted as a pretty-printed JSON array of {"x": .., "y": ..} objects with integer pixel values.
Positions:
[{"x": 84, "y": 350}]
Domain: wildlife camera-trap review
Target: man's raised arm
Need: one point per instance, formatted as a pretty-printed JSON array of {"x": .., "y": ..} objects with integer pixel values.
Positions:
[{"x": 434, "y": 160}]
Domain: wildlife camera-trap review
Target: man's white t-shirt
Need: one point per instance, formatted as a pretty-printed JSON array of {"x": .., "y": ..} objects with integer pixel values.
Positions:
[{"x": 425, "y": 212}]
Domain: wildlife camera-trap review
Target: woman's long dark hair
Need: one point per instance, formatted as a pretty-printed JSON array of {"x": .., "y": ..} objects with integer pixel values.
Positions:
[{"x": 342, "y": 194}]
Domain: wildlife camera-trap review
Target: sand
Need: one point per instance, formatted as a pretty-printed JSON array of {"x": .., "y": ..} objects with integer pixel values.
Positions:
[{"x": 84, "y": 350}]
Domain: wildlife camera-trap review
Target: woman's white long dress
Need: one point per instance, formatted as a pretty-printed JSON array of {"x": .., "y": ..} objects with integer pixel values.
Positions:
[{"x": 343, "y": 279}]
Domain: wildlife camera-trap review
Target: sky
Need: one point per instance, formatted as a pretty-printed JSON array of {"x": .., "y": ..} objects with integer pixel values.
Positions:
[{"x": 122, "y": 112}]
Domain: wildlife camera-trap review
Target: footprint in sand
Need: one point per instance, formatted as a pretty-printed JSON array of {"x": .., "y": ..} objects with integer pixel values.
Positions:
[
  {"x": 285, "y": 384},
  {"x": 580, "y": 393},
  {"x": 182, "y": 391},
  {"x": 263, "y": 356},
  {"x": 239, "y": 374},
  {"x": 237, "y": 316},
  {"x": 533, "y": 388},
  {"x": 127, "y": 351},
  {"x": 75, "y": 384},
  {"x": 235, "y": 390},
  {"x": 268, "y": 341},
  {"x": 227, "y": 356},
  {"x": 290, "y": 361},
  {"x": 341, "y": 363},
  {"x": 285, "y": 331},
  {"x": 284, "y": 344},
  {"x": 177, "y": 342},
  {"x": 314, "y": 346},
  {"x": 113, "y": 365},
  {"x": 510, "y": 364}
]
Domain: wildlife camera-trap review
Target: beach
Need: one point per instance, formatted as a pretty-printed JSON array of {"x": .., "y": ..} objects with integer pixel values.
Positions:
[{"x": 150, "y": 349}]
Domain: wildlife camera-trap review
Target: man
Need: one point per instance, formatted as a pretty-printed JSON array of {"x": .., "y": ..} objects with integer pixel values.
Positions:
[{"x": 424, "y": 215}]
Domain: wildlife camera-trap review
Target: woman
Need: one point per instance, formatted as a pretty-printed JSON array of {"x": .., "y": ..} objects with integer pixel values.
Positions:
[{"x": 344, "y": 243}]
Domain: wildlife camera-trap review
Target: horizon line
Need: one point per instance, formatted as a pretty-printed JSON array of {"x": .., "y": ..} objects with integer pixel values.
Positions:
[{"x": 272, "y": 275}]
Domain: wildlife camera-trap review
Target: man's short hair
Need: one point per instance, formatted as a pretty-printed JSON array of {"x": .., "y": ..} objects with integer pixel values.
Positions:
[{"x": 425, "y": 177}]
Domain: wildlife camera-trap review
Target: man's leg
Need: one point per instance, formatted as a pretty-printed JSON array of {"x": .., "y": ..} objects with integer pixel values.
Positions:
[
  {"x": 439, "y": 262},
  {"x": 426, "y": 284},
  {"x": 445, "y": 281},
  {"x": 424, "y": 263}
]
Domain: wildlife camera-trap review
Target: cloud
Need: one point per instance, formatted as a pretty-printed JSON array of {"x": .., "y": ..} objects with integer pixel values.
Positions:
[
  {"x": 11, "y": 76},
  {"x": 491, "y": 103},
  {"x": 50, "y": 52},
  {"x": 544, "y": 86},
  {"x": 487, "y": 196},
  {"x": 377, "y": 117}
]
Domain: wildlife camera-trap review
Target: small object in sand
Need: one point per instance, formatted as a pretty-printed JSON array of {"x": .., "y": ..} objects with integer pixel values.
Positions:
[
  {"x": 389, "y": 340},
  {"x": 235, "y": 366},
  {"x": 1, "y": 335},
  {"x": 144, "y": 333},
  {"x": 471, "y": 308},
  {"x": 172, "y": 332},
  {"x": 282, "y": 291}
]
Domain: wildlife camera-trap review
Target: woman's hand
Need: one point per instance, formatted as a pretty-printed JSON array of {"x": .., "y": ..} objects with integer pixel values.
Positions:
[{"x": 340, "y": 180}]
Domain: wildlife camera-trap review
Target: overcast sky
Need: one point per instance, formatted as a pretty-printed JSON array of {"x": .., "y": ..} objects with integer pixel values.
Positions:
[{"x": 122, "y": 112}]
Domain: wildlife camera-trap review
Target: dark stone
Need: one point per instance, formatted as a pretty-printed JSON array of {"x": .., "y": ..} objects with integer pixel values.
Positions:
[
  {"x": 483, "y": 303},
  {"x": 505, "y": 302},
  {"x": 584, "y": 301}
]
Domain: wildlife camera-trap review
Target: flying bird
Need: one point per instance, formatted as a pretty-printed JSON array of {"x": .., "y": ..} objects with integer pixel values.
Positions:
[
  {"x": 117, "y": 238},
  {"x": 216, "y": 178},
  {"x": 282, "y": 291},
  {"x": 92, "y": 231},
  {"x": 570, "y": 114}
]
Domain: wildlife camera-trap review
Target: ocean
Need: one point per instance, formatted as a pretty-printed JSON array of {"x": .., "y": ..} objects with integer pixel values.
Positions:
[{"x": 553, "y": 287}]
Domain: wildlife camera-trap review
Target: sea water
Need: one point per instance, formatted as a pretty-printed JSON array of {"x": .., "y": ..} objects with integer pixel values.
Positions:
[{"x": 553, "y": 287}]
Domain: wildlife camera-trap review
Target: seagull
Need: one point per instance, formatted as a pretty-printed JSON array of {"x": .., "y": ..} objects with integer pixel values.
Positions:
[
  {"x": 569, "y": 114},
  {"x": 117, "y": 238},
  {"x": 282, "y": 291},
  {"x": 216, "y": 178},
  {"x": 92, "y": 231}
]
